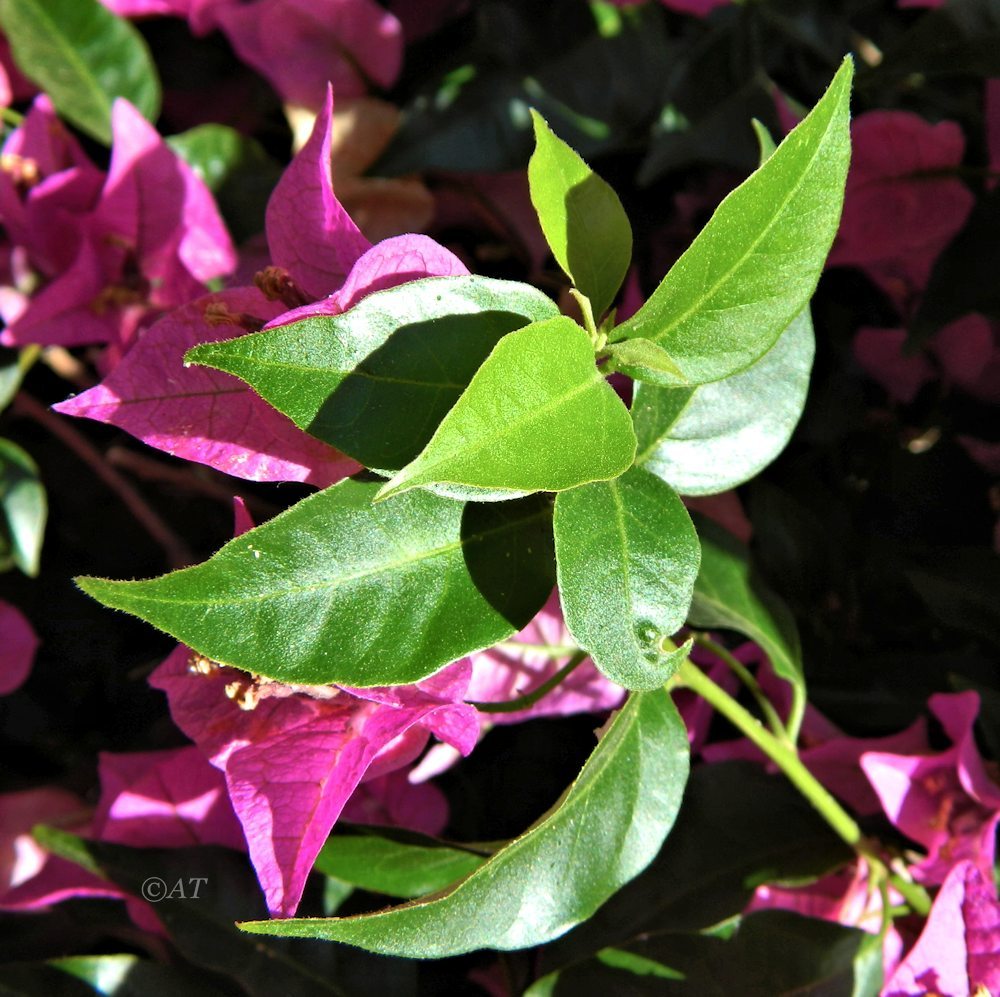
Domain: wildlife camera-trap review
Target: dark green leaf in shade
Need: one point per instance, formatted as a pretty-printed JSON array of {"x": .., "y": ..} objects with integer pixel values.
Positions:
[
  {"x": 604, "y": 831},
  {"x": 597, "y": 92},
  {"x": 235, "y": 168},
  {"x": 583, "y": 220},
  {"x": 397, "y": 864},
  {"x": 130, "y": 976},
  {"x": 537, "y": 416},
  {"x": 727, "y": 596},
  {"x": 739, "y": 827},
  {"x": 83, "y": 57},
  {"x": 376, "y": 381},
  {"x": 705, "y": 439},
  {"x": 14, "y": 364},
  {"x": 774, "y": 952},
  {"x": 338, "y": 590},
  {"x": 23, "y": 506},
  {"x": 217, "y": 885},
  {"x": 754, "y": 266},
  {"x": 626, "y": 557}
]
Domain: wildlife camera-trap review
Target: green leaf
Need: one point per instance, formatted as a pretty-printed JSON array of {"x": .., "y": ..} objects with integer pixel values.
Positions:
[
  {"x": 337, "y": 590},
  {"x": 376, "y": 381},
  {"x": 537, "y": 416},
  {"x": 23, "y": 505},
  {"x": 627, "y": 556},
  {"x": 83, "y": 57},
  {"x": 130, "y": 976},
  {"x": 235, "y": 168},
  {"x": 401, "y": 865},
  {"x": 643, "y": 360},
  {"x": 711, "y": 437},
  {"x": 14, "y": 364},
  {"x": 726, "y": 596},
  {"x": 773, "y": 952},
  {"x": 754, "y": 266},
  {"x": 605, "y": 830},
  {"x": 584, "y": 223}
]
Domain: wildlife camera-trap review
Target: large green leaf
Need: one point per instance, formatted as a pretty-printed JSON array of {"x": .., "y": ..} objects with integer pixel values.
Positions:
[
  {"x": 376, "y": 381},
  {"x": 83, "y": 57},
  {"x": 707, "y": 438},
  {"x": 584, "y": 223},
  {"x": 754, "y": 266},
  {"x": 339, "y": 590},
  {"x": 627, "y": 556},
  {"x": 605, "y": 830},
  {"x": 394, "y": 863},
  {"x": 537, "y": 416},
  {"x": 23, "y": 507},
  {"x": 726, "y": 596}
]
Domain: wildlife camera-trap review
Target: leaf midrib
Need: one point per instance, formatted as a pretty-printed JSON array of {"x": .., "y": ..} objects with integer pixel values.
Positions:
[
  {"x": 340, "y": 581},
  {"x": 698, "y": 303}
]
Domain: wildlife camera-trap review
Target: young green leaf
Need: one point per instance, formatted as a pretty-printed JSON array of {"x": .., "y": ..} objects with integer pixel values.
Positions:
[
  {"x": 82, "y": 56},
  {"x": 644, "y": 361},
  {"x": 398, "y": 866},
  {"x": 537, "y": 416},
  {"x": 23, "y": 507},
  {"x": 755, "y": 265},
  {"x": 726, "y": 596},
  {"x": 604, "y": 831},
  {"x": 375, "y": 381},
  {"x": 627, "y": 556},
  {"x": 584, "y": 223},
  {"x": 336, "y": 590},
  {"x": 707, "y": 438}
]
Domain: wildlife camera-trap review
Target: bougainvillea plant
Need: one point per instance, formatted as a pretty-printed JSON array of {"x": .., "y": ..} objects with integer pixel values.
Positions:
[{"x": 505, "y": 500}]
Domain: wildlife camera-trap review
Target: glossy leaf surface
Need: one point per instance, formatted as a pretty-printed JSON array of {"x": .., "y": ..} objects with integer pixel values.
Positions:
[
  {"x": 399, "y": 866},
  {"x": 627, "y": 556},
  {"x": 705, "y": 439},
  {"x": 83, "y": 57},
  {"x": 376, "y": 380},
  {"x": 537, "y": 416},
  {"x": 754, "y": 266},
  {"x": 583, "y": 220},
  {"x": 336, "y": 590},
  {"x": 604, "y": 831}
]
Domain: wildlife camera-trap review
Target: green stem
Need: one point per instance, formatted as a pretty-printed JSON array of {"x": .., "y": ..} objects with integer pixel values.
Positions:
[
  {"x": 781, "y": 753},
  {"x": 11, "y": 117},
  {"x": 747, "y": 678},
  {"x": 913, "y": 893},
  {"x": 587, "y": 311},
  {"x": 529, "y": 699}
]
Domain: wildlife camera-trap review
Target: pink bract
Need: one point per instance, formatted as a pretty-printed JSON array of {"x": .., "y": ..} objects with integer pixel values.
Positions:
[
  {"x": 18, "y": 644},
  {"x": 958, "y": 952},
  {"x": 292, "y": 761},
  {"x": 387, "y": 264},
  {"x": 897, "y": 215},
  {"x": 151, "y": 240},
  {"x": 205, "y": 415},
  {"x": 883, "y": 357},
  {"x": 533, "y": 656},
  {"x": 946, "y": 802},
  {"x": 309, "y": 232}
]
